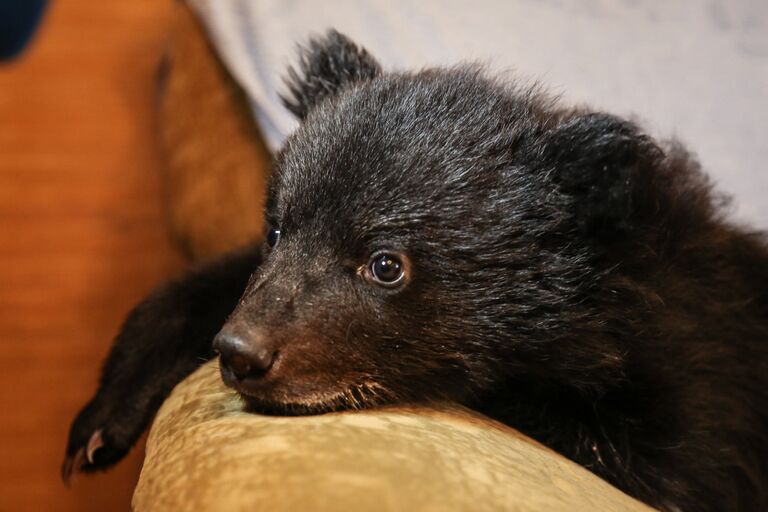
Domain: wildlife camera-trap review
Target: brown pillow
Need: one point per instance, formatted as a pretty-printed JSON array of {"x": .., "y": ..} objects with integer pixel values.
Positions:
[{"x": 216, "y": 164}]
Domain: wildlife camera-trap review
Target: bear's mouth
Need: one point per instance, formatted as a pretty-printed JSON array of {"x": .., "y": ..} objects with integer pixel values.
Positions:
[
  {"x": 353, "y": 397},
  {"x": 299, "y": 395},
  {"x": 288, "y": 408}
]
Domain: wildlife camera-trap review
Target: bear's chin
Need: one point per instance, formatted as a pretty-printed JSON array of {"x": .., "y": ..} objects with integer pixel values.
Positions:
[{"x": 295, "y": 406}]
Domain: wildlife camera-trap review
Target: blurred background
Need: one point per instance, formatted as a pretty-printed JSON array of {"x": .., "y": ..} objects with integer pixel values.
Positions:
[
  {"x": 82, "y": 236},
  {"x": 109, "y": 183}
]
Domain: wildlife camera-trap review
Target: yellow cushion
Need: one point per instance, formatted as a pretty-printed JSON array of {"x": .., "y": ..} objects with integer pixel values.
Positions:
[{"x": 204, "y": 453}]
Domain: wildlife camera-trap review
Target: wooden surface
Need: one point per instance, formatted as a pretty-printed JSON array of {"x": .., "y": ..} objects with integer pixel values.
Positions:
[{"x": 82, "y": 234}]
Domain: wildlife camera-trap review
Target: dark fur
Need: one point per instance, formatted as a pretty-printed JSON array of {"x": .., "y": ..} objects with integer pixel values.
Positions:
[{"x": 571, "y": 277}]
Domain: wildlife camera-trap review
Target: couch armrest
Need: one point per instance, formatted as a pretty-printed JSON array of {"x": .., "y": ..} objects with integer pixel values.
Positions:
[{"x": 204, "y": 453}]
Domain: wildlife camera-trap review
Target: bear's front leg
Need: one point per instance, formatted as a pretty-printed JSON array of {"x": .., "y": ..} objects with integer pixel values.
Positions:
[{"x": 164, "y": 339}]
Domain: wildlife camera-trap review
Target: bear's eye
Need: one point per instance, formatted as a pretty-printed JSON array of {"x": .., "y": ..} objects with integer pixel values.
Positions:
[
  {"x": 387, "y": 269},
  {"x": 273, "y": 237}
]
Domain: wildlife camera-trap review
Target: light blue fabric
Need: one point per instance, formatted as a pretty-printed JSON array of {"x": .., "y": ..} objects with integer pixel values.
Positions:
[{"x": 686, "y": 68}]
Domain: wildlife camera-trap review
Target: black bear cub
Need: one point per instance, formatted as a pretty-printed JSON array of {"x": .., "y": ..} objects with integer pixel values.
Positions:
[{"x": 442, "y": 234}]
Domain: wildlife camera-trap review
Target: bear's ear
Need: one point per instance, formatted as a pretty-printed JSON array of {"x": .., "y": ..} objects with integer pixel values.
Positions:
[
  {"x": 326, "y": 65},
  {"x": 603, "y": 164}
]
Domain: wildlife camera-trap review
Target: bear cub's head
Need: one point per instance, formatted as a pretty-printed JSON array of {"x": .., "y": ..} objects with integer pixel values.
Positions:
[{"x": 431, "y": 234}]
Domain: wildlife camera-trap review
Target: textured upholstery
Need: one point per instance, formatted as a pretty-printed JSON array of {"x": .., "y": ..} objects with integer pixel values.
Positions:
[{"x": 205, "y": 453}]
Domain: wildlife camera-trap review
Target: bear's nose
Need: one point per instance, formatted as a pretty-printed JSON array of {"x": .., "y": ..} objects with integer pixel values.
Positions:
[{"x": 244, "y": 359}]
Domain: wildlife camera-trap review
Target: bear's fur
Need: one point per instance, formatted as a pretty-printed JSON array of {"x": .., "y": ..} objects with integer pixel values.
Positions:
[{"x": 565, "y": 273}]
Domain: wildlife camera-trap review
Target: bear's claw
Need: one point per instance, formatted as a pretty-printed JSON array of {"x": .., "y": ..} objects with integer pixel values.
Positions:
[
  {"x": 94, "y": 443},
  {"x": 71, "y": 465},
  {"x": 74, "y": 463}
]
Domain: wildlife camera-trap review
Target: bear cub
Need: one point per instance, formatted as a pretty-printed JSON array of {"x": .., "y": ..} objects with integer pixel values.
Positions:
[{"x": 446, "y": 235}]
